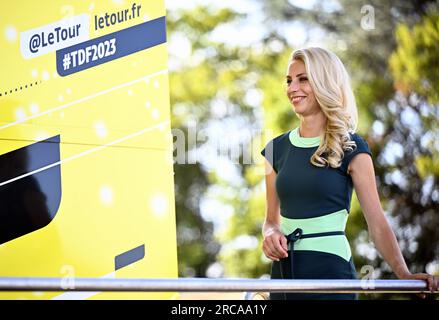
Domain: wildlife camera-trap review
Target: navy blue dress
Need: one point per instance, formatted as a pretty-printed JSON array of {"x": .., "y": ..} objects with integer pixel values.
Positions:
[{"x": 316, "y": 202}]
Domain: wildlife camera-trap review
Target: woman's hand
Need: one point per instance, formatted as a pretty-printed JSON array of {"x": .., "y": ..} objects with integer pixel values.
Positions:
[
  {"x": 432, "y": 281},
  {"x": 275, "y": 244}
]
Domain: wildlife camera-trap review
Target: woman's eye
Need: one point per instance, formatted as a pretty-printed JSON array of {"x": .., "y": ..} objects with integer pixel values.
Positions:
[
  {"x": 289, "y": 81},
  {"x": 303, "y": 79}
]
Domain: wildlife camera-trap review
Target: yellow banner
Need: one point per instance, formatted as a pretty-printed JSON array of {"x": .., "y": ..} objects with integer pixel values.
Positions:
[{"x": 86, "y": 174}]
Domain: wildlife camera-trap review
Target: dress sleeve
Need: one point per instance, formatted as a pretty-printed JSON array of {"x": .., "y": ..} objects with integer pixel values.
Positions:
[
  {"x": 268, "y": 153},
  {"x": 362, "y": 147}
]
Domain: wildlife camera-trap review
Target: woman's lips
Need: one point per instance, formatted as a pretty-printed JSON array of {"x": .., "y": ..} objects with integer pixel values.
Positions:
[{"x": 298, "y": 99}]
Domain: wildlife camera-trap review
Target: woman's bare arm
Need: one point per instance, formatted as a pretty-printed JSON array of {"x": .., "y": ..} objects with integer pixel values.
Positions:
[
  {"x": 272, "y": 216},
  {"x": 363, "y": 176},
  {"x": 275, "y": 243}
]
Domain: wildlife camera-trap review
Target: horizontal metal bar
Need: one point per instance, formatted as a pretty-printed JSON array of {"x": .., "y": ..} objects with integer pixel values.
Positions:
[{"x": 213, "y": 285}]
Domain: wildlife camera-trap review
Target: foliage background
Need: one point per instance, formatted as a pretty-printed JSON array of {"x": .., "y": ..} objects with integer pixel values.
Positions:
[{"x": 227, "y": 85}]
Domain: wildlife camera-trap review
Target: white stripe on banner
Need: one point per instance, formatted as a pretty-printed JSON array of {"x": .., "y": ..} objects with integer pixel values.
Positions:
[{"x": 130, "y": 136}]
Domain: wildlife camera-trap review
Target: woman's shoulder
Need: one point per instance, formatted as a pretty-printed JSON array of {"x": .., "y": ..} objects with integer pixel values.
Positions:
[
  {"x": 274, "y": 149},
  {"x": 358, "y": 139},
  {"x": 361, "y": 144},
  {"x": 282, "y": 137},
  {"x": 279, "y": 139},
  {"x": 278, "y": 143}
]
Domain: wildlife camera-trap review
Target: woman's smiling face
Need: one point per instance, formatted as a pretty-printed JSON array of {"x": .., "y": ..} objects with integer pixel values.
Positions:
[{"x": 299, "y": 90}]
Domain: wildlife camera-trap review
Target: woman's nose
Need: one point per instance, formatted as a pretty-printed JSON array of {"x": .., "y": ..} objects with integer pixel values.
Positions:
[{"x": 293, "y": 86}]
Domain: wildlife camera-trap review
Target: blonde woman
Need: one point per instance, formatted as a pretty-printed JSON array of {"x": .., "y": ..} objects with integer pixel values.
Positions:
[{"x": 310, "y": 174}]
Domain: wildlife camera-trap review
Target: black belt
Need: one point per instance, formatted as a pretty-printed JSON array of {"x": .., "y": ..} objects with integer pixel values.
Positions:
[{"x": 298, "y": 234}]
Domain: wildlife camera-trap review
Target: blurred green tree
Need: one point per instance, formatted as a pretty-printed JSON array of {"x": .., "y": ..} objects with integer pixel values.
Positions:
[
  {"x": 392, "y": 76},
  {"x": 210, "y": 73},
  {"x": 401, "y": 129}
]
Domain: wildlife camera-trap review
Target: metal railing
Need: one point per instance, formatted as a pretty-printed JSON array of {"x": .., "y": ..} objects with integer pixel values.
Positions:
[{"x": 212, "y": 285}]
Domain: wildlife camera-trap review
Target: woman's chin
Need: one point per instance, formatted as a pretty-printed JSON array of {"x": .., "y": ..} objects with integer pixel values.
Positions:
[{"x": 299, "y": 109}]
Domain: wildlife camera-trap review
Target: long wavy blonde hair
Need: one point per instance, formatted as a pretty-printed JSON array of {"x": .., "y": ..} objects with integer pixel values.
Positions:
[{"x": 330, "y": 83}]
